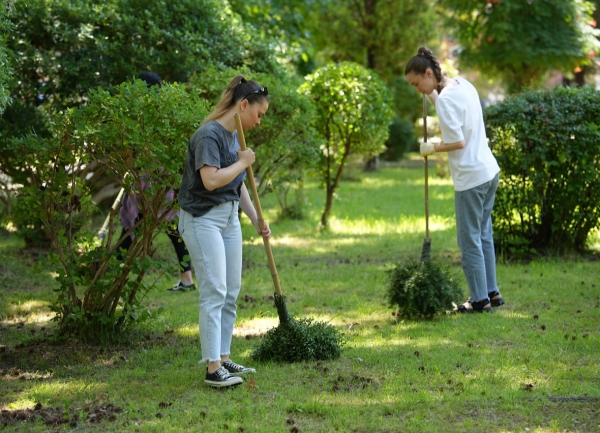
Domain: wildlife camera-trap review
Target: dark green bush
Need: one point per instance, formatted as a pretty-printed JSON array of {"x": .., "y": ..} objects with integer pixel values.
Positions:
[
  {"x": 548, "y": 146},
  {"x": 400, "y": 140},
  {"x": 422, "y": 289},
  {"x": 300, "y": 340},
  {"x": 64, "y": 49}
]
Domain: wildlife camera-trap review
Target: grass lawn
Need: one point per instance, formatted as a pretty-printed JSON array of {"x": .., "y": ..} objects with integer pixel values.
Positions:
[{"x": 533, "y": 365}]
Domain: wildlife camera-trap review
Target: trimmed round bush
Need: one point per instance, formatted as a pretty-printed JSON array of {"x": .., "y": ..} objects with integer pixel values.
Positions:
[
  {"x": 422, "y": 289},
  {"x": 300, "y": 340}
]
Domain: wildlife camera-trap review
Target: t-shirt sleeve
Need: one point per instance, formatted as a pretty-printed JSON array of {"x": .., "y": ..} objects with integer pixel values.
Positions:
[
  {"x": 450, "y": 121},
  {"x": 206, "y": 152}
]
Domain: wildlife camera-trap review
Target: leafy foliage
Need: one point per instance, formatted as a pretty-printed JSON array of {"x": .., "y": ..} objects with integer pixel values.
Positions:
[
  {"x": 368, "y": 32},
  {"x": 138, "y": 131},
  {"x": 353, "y": 115},
  {"x": 64, "y": 49},
  {"x": 286, "y": 23},
  {"x": 421, "y": 289},
  {"x": 548, "y": 146},
  {"x": 521, "y": 40},
  {"x": 300, "y": 340},
  {"x": 5, "y": 64},
  {"x": 401, "y": 140}
]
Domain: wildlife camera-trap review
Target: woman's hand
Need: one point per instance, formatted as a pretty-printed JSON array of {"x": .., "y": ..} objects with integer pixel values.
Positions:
[
  {"x": 266, "y": 232},
  {"x": 427, "y": 148},
  {"x": 246, "y": 157}
]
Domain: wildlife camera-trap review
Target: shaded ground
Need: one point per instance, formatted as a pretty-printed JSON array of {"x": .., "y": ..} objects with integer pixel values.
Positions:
[{"x": 54, "y": 416}]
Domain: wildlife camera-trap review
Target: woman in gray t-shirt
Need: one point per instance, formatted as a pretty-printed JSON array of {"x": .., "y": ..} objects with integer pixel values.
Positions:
[{"x": 211, "y": 190}]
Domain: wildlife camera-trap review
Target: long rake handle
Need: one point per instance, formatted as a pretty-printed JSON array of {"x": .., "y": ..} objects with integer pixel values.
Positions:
[
  {"x": 261, "y": 220},
  {"x": 426, "y": 170}
]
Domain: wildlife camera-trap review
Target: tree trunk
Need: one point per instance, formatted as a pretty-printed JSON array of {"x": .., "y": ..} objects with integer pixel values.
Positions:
[
  {"x": 328, "y": 204},
  {"x": 372, "y": 164}
]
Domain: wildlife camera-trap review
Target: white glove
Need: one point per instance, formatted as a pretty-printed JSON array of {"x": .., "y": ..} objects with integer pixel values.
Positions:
[{"x": 427, "y": 148}]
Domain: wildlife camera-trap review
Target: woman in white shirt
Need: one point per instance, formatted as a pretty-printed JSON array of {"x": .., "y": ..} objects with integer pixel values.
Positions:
[{"x": 474, "y": 171}]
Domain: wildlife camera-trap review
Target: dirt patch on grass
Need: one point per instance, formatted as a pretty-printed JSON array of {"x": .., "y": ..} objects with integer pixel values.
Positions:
[{"x": 55, "y": 416}]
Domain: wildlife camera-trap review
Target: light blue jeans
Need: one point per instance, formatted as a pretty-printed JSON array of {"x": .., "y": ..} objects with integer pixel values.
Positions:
[
  {"x": 473, "y": 209},
  {"x": 214, "y": 242}
]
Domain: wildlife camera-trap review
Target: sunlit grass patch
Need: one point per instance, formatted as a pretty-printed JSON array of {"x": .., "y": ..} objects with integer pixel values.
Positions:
[
  {"x": 29, "y": 311},
  {"x": 401, "y": 224}
]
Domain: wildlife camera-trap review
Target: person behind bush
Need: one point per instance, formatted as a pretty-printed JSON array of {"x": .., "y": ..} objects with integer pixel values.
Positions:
[
  {"x": 129, "y": 216},
  {"x": 474, "y": 171},
  {"x": 211, "y": 191}
]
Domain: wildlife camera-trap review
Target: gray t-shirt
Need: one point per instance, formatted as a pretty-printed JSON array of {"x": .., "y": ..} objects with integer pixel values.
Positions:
[{"x": 212, "y": 144}]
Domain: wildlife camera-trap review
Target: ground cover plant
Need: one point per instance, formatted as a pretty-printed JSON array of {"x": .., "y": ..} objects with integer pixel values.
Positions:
[{"x": 530, "y": 366}]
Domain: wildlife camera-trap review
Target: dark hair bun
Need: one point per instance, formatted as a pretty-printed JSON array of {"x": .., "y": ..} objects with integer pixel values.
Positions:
[{"x": 150, "y": 78}]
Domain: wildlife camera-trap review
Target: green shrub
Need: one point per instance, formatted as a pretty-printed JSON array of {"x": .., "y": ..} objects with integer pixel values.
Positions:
[
  {"x": 422, "y": 289},
  {"x": 400, "y": 140},
  {"x": 548, "y": 146},
  {"x": 133, "y": 130},
  {"x": 300, "y": 340}
]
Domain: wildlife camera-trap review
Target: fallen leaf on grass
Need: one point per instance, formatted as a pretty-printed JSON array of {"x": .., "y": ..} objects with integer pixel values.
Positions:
[{"x": 528, "y": 386}]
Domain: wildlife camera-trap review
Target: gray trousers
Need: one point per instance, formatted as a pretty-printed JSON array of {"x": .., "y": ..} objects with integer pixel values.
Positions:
[{"x": 473, "y": 209}]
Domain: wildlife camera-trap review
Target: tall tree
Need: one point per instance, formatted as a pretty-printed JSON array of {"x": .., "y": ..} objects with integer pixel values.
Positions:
[
  {"x": 520, "y": 40},
  {"x": 378, "y": 34}
]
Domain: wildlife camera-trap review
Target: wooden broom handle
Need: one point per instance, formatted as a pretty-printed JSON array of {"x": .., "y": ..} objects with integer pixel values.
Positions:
[
  {"x": 261, "y": 220},
  {"x": 426, "y": 169}
]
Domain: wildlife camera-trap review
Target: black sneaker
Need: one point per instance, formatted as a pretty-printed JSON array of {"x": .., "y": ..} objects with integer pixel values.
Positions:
[
  {"x": 180, "y": 287},
  {"x": 221, "y": 378},
  {"x": 234, "y": 368}
]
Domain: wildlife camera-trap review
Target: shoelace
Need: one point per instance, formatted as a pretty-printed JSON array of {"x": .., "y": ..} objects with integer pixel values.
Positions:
[
  {"x": 222, "y": 373},
  {"x": 233, "y": 365}
]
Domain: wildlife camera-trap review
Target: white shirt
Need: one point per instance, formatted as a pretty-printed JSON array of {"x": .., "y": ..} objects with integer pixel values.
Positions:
[{"x": 461, "y": 118}]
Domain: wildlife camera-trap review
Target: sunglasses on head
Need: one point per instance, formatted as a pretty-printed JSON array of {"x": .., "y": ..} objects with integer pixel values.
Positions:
[{"x": 261, "y": 91}]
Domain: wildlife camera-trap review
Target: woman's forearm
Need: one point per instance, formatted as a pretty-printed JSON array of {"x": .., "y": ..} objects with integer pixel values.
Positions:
[
  {"x": 449, "y": 147},
  {"x": 213, "y": 177},
  {"x": 247, "y": 206}
]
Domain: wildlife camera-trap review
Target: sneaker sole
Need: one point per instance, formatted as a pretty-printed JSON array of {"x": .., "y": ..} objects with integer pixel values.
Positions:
[
  {"x": 223, "y": 384},
  {"x": 240, "y": 373},
  {"x": 183, "y": 289}
]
